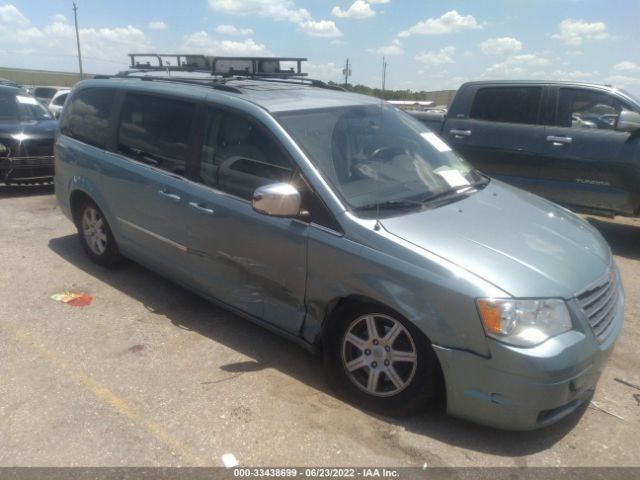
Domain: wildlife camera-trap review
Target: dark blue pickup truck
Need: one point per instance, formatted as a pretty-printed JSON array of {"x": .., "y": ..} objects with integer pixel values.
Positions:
[{"x": 576, "y": 144}]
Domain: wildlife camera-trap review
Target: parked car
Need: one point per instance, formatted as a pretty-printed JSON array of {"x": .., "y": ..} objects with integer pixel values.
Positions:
[
  {"x": 27, "y": 130},
  {"x": 577, "y": 144},
  {"x": 45, "y": 94},
  {"x": 350, "y": 228},
  {"x": 57, "y": 102}
]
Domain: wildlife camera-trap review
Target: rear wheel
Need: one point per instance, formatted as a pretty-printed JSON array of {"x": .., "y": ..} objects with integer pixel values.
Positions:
[
  {"x": 95, "y": 235},
  {"x": 381, "y": 360}
]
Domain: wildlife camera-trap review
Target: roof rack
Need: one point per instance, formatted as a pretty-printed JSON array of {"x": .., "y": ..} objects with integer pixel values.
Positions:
[{"x": 222, "y": 66}]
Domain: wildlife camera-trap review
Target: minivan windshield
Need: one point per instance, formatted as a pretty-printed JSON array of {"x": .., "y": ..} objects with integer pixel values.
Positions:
[
  {"x": 21, "y": 108},
  {"x": 376, "y": 156}
]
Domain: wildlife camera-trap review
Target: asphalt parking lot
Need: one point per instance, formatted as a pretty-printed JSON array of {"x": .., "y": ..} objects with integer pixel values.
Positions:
[{"x": 151, "y": 375}]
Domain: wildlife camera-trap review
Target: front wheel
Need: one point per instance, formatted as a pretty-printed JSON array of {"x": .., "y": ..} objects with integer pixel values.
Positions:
[
  {"x": 96, "y": 236},
  {"x": 381, "y": 360}
]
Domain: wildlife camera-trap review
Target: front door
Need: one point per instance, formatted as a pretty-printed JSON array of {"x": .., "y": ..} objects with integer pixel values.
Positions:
[
  {"x": 253, "y": 262},
  {"x": 585, "y": 157}
]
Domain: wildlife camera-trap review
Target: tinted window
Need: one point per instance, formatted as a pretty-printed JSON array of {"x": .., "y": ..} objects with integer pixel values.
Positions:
[
  {"x": 507, "y": 104},
  {"x": 589, "y": 109},
  {"x": 156, "y": 131},
  {"x": 87, "y": 116},
  {"x": 237, "y": 156}
]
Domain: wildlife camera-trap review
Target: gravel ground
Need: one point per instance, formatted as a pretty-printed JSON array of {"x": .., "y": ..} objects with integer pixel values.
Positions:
[{"x": 151, "y": 375}]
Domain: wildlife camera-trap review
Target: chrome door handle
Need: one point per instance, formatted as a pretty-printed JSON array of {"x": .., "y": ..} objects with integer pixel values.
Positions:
[
  {"x": 559, "y": 140},
  {"x": 169, "y": 196},
  {"x": 460, "y": 133},
  {"x": 201, "y": 208}
]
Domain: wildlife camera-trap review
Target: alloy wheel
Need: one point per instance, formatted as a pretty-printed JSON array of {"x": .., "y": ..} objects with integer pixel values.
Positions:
[
  {"x": 379, "y": 355},
  {"x": 94, "y": 231}
]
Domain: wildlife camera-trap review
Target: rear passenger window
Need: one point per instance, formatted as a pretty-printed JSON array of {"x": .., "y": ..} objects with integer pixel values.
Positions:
[
  {"x": 238, "y": 156},
  {"x": 87, "y": 116},
  {"x": 156, "y": 130},
  {"x": 507, "y": 104}
]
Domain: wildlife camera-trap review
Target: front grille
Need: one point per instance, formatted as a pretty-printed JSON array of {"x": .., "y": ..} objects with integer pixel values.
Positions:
[
  {"x": 598, "y": 302},
  {"x": 30, "y": 147}
]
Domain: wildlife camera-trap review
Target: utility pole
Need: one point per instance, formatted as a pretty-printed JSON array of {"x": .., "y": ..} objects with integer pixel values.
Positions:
[
  {"x": 75, "y": 15},
  {"x": 347, "y": 73}
]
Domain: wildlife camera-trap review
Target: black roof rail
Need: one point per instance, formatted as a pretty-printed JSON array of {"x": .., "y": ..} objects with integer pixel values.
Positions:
[
  {"x": 222, "y": 66},
  {"x": 204, "y": 82}
]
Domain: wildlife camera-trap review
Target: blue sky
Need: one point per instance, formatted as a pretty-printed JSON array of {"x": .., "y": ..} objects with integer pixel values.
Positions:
[{"x": 428, "y": 45}]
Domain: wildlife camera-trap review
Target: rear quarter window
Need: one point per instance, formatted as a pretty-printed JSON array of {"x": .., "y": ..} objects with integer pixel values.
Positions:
[
  {"x": 507, "y": 104},
  {"x": 87, "y": 116}
]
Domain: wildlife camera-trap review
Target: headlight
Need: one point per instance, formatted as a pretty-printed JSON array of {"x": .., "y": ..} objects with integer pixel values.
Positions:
[{"x": 523, "y": 323}]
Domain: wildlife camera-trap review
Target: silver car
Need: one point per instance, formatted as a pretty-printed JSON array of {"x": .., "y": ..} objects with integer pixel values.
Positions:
[{"x": 350, "y": 228}]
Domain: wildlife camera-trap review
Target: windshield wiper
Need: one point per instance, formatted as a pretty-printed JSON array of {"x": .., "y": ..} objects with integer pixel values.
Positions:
[
  {"x": 390, "y": 204},
  {"x": 454, "y": 192}
]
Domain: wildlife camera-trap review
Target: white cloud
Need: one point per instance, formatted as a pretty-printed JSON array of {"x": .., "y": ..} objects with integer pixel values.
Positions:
[
  {"x": 574, "y": 32},
  {"x": 627, "y": 66},
  {"x": 501, "y": 46},
  {"x": 571, "y": 75},
  {"x": 373, "y": 2},
  {"x": 623, "y": 81},
  {"x": 201, "y": 42},
  {"x": 9, "y": 14},
  {"x": 158, "y": 25},
  {"x": 528, "y": 59},
  {"x": 395, "y": 48},
  {"x": 107, "y": 44},
  {"x": 443, "y": 56},
  {"x": 277, "y": 9},
  {"x": 358, "y": 10},
  {"x": 516, "y": 66},
  {"x": 324, "y": 71},
  {"x": 320, "y": 28},
  {"x": 16, "y": 29},
  {"x": 233, "y": 30},
  {"x": 447, "y": 23}
]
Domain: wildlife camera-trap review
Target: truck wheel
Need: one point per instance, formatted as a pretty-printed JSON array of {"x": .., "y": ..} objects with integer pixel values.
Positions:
[
  {"x": 381, "y": 360},
  {"x": 95, "y": 235}
]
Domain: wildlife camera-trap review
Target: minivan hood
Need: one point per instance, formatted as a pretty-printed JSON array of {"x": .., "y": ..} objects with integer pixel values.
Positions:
[{"x": 524, "y": 245}]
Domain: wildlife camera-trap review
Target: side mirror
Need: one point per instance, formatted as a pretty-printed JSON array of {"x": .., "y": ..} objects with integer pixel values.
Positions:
[
  {"x": 628, "y": 121},
  {"x": 277, "y": 200}
]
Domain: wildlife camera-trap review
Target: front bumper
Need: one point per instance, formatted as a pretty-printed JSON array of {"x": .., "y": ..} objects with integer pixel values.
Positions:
[
  {"x": 26, "y": 168},
  {"x": 527, "y": 388}
]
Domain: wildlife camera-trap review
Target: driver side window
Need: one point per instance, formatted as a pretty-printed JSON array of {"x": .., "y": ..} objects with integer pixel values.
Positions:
[
  {"x": 587, "y": 109},
  {"x": 238, "y": 156}
]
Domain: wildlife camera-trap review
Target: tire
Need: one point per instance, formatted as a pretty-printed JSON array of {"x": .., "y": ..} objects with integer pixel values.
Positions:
[
  {"x": 394, "y": 371},
  {"x": 96, "y": 236}
]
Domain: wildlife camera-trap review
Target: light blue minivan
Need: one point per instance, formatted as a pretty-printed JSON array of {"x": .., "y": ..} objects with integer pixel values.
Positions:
[{"x": 344, "y": 224}]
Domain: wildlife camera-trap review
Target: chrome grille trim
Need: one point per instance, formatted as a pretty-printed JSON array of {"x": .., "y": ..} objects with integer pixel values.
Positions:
[{"x": 598, "y": 302}]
